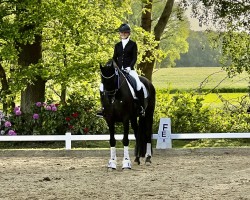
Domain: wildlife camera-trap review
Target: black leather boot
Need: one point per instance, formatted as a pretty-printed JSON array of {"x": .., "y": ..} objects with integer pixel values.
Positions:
[{"x": 140, "y": 96}]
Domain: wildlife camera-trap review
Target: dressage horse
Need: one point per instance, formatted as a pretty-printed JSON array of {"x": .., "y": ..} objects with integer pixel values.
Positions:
[{"x": 119, "y": 105}]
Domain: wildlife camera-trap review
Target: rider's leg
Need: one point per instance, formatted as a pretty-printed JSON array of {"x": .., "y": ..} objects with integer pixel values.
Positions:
[
  {"x": 139, "y": 92},
  {"x": 140, "y": 96}
]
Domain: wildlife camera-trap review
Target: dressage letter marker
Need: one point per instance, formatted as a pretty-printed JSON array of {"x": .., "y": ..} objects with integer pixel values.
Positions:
[{"x": 164, "y": 134}]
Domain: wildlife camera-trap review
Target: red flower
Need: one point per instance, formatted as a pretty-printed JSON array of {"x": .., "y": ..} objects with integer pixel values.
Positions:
[
  {"x": 86, "y": 130},
  {"x": 75, "y": 115},
  {"x": 57, "y": 104},
  {"x": 67, "y": 119},
  {"x": 71, "y": 127}
]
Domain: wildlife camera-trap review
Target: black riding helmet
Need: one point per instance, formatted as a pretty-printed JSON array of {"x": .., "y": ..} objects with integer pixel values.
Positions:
[{"x": 124, "y": 28}]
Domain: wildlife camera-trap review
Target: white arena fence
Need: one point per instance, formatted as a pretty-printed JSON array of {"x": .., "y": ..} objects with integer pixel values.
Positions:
[{"x": 164, "y": 137}]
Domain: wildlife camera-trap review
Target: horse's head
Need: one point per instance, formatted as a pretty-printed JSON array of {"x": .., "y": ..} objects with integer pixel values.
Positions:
[{"x": 109, "y": 76}]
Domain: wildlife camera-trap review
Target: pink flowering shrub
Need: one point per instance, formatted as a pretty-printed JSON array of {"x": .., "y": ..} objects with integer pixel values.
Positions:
[{"x": 77, "y": 116}]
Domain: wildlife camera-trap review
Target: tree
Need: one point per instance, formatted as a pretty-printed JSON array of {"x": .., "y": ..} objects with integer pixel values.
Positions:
[
  {"x": 230, "y": 15},
  {"x": 146, "y": 23},
  {"x": 8, "y": 54},
  {"x": 44, "y": 45},
  {"x": 75, "y": 46},
  {"x": 30, "y": 50},
  {"x": 200, "y": 53},
  {"x": 231, "y": 18}
]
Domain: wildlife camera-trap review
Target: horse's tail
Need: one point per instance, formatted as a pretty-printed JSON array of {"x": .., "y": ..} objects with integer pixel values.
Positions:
[
  {"x": 142, "y": 144},
  {"x": 145, "y": 129}
]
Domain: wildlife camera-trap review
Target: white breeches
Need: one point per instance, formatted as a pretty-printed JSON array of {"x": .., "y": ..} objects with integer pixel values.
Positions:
[
  {"x": 135, "y": 75},
  {"x": 138, "y": 82}
]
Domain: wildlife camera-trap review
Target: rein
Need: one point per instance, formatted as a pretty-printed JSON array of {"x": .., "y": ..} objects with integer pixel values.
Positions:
[{"x": 107, "y": 77}]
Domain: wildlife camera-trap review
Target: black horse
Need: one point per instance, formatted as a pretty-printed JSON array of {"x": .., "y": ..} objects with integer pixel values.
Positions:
[{"x": 120, "y": 106}]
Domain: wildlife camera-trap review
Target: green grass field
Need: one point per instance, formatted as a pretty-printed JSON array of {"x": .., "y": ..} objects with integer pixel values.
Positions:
[
  {"x": 190, "y": 78},
  {"x": 207, "y": 78}
]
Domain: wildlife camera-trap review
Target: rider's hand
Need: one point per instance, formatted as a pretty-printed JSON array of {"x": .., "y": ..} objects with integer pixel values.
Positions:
[{"x": 127, "y": 69}]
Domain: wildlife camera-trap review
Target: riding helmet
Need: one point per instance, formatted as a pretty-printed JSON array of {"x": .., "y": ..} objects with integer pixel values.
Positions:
[{"x": 124, "y": 28}]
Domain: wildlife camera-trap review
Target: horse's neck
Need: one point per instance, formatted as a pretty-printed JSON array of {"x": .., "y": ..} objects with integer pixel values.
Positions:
[{"x": 124, "y": 88}]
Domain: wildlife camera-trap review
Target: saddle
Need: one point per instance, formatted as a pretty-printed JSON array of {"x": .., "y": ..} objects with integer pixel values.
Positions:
[
  {"x": 131, "y": 81},
  {"x": 133, "y": 85}
]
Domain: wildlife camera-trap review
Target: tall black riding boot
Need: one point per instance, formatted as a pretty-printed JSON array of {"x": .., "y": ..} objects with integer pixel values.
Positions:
[
  {"x": 140, "y": 96},
  {"x": 100, "y": 112}
]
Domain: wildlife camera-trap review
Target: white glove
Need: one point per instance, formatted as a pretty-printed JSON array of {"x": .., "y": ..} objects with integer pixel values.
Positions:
[{"x": 127, "y": 69}]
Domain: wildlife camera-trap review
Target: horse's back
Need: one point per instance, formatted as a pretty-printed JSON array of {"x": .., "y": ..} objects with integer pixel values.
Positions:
[{"x": 150, "y": 88}]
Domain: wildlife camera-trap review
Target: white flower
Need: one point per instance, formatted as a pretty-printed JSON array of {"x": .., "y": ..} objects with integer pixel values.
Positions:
[{"x": 2, "y": 132}]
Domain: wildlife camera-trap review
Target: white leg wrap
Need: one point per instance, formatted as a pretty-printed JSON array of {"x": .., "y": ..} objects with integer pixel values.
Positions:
[
  {"x": 126, "y": 153},
  {"x": 148, "y": 153},
  {"x": 112, "y": 162},
  {"x": 112, "y": 153},
  {"x": 126, "y": 163}
]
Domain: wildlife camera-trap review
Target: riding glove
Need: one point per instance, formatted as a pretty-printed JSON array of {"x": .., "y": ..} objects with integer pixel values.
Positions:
[{"x": 127, "y": 69}]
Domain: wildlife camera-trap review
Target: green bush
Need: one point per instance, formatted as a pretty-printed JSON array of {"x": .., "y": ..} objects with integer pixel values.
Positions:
[
  {"x": 189, "y": 115},
  {"x": 186, "y": 111}
]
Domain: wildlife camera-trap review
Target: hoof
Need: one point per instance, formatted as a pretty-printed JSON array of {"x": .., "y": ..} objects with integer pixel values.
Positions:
[
  {"x": 111, "y": 169},
  {"x": 148, "y": 160},
  {"x": 126, "y": 164},
  {"x": 112, "y": 164},
  {"x": 137, "y": 160}
]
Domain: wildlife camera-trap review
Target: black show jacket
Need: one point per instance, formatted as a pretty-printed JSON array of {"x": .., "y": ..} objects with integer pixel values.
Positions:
[{"x": 125, "y": 57}]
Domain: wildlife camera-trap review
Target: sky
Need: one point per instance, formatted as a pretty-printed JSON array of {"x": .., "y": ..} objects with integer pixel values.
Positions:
[{"x": 194, "y": 23}]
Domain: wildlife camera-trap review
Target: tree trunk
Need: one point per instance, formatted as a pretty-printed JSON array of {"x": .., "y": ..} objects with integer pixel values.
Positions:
[
  {"x": 63, "y": 95},
  {"x": 162, "y": 22},
  {"x": 63, "y": 86},
  {"x": 31, "y": 54},
  {"x": 148, "y": 66},
  {"x": 33, "y": 93},
  {"x": 146, "y": 23}
]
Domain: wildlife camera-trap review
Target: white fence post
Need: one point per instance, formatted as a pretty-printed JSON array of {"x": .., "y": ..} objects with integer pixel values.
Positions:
[
  {"x": 68, "y": 141},
  {"x": 164, "y": 140}
]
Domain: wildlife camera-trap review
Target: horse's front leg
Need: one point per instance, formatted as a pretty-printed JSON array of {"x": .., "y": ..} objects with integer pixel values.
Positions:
[
  {"x": 126, "y": 163},
  {"x": 112, "y": 162}
]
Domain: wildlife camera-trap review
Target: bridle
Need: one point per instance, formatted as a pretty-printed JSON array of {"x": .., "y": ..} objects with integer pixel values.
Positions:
[{"x": 116, "y": 73}]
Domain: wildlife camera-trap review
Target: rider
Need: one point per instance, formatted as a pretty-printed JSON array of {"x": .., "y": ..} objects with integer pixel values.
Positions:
[{"x": 125, "y": 56}]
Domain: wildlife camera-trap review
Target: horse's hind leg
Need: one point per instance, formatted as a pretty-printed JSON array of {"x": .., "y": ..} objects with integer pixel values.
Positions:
[
  {"x": 149, "y": 131},
  {"x": 134, "y": 125}
]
